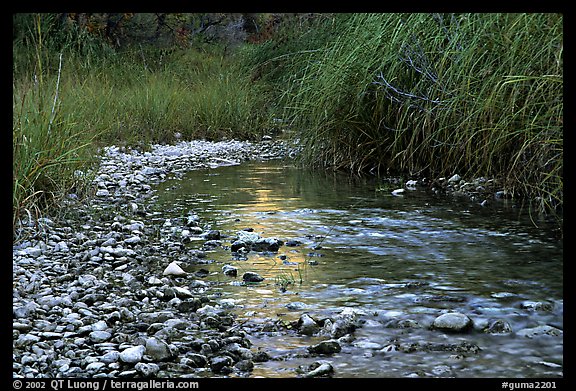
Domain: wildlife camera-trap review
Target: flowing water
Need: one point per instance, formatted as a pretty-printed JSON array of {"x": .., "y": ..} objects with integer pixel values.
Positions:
[{"x": 408, "y": 258}]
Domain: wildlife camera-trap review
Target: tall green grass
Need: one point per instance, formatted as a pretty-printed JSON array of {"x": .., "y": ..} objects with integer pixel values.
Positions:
[
  {"x": 73, "y": 93},
  {"x": 48, "y": 152},
  {"x": 436, "y": 94},
  {"x": 198, "y": 95}
]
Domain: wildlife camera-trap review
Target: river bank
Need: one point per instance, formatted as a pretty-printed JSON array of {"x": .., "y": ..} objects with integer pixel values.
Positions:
[
  {"x": 95, "y": 296},
  {"x": 90, "y": 297}
]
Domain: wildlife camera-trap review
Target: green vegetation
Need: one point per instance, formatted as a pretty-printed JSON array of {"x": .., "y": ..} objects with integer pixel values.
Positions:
[
  {"x": 412, "y": 94},
  {"x": 73, "y": 93},
  {"x": 433, "y": 95}
]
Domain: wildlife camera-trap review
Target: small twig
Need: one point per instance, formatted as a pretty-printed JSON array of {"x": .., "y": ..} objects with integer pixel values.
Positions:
[{"x": 53, "y": 114}]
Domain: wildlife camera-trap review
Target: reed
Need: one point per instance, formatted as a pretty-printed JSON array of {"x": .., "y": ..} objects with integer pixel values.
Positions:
[
  {"x": 435, "y": 94},
  {"x": 49, "y": 157},
  {"x": 73, "y": 93}
]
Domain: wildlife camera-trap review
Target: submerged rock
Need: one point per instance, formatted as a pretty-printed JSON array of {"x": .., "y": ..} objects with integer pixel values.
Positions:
[
  {"x": 540, "y": 330},
  {"x": 328, "y": 347},
  {"x": 252, "y": 277},
  {"x": 320, "y": 369},
  {"x": 499, "y": 327}
]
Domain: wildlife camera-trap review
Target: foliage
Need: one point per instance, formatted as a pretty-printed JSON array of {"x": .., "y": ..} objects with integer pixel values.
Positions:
[
  {"x": 433, "y": 94},
  {"x": 74, "y": 90},
  {"x": 48, "y": 152},
  {"x": 416, "y": 94}
]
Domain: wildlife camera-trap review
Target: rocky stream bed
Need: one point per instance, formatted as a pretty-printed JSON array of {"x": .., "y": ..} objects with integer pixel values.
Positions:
[{"x": 106, "y": 293}]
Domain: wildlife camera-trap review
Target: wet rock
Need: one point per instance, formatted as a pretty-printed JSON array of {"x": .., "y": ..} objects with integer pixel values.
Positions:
[
  {"x": 154, "y": 281},
  {"x": 132, "y": 355},
  {"x": 237, "y": 245},
  {"x": 452, "y": 322},
  {"x": 442, "y": 370},
  {"x": 499, "y": 327},
  {"x": 195, "y": 360},
  {"x": 221, "y": 364},
  {"x": 252, "y": 277},
  {"x": 230, "y": 270},
  {"x": 247, "y": 237},
  {"x": 147, "y": 369},
  {"x": 267, "y": 244},
  {"x": 244, "y": 365},
  {"x": 463, "y": 347},
  {"x": 190, "y": 305},
  {"x": 325, "y": 347},
  {"x": 344, "y": 323},
  {"x": 296, "y": 305},
  {"x": 320, "y": 369},
  {"x": 261, "y": 356},
  {"x": 539, "y": 331},
  {"x": 402, "y": 324},
  {"x": 212, "y": 235},
  {"x": 202, "y": 273},
  {"x": 307, "y": 326},
  {"x": 293, "y": 243},
  {"x": 368, "y": 345},
  {"x": 398, "y": 192},
  {"x": 182, "y": 293}
]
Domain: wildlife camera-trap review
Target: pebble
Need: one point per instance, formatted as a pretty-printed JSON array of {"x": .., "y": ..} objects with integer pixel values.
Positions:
[
  {"x": 173, "y": 269},
  {"x": 132, "y": 355}
]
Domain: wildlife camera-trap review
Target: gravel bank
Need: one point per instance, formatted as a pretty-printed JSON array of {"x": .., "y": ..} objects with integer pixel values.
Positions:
[{"x": 90, "y": 298}]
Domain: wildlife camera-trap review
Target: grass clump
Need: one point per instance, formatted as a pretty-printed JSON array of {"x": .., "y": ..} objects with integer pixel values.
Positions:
[
  {"x": 50, "y": 156},
  {"x": 74, "y": 92},
  {"x": 435, "y": 94}
]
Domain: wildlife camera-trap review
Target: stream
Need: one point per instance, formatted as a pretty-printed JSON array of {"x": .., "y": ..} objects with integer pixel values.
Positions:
[{"x": 398, "y": 261}]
